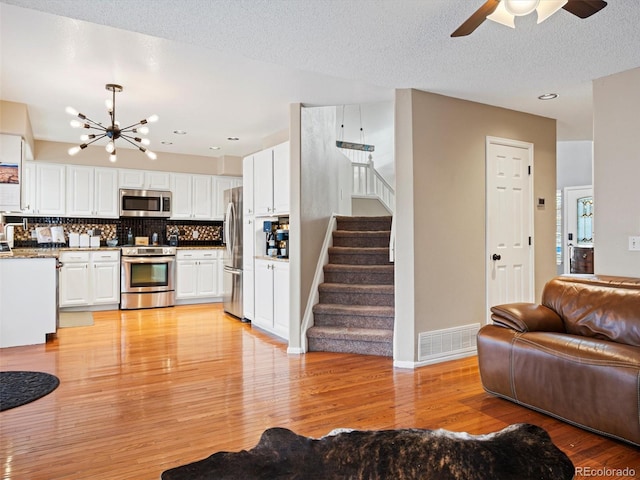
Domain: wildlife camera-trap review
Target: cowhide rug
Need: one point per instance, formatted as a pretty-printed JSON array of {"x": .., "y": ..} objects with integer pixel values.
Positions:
[{"x": 519, "y": 452}]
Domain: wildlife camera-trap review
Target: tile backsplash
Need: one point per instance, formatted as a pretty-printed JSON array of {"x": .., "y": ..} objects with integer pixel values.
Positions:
[{"x": 190, "y": 233}]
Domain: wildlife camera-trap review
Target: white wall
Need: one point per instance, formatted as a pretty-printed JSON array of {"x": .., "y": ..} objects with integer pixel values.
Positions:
[
  {"x": 376, "y": 120},
  {"x": 574, "y": 164},
  {"x": 616, "y": 140}
]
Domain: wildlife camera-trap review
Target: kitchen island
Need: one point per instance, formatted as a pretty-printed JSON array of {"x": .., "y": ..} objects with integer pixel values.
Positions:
[{"x": 28, "y": 298}]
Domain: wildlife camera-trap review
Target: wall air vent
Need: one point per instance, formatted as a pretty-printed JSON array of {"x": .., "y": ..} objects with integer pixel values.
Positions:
[{"x": 448, "y": 343}]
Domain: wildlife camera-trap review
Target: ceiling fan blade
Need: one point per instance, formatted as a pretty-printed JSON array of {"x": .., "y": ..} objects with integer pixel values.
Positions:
[
  {"x": 584, "y": 8},
  {"x": 475, "y": 20}
]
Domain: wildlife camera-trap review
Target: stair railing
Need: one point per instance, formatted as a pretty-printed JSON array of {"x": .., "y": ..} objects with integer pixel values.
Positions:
[
  {"x": 367, "y": 183},
  {"x": 318, "y": 278}
]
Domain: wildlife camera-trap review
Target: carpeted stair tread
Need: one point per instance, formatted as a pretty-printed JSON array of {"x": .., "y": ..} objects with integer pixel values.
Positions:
[
  {"x": 364, "y": 223},
  {"x": 346, "y": 288},
  {"x": 349, "y": 333},
  {"x": 359, "y": 256},
  {"x": 362, "y": 310},
  {"x": 357, "y": 316},
  {"x": 355, "y": 238},
  {"x": 354, "y": 274}
]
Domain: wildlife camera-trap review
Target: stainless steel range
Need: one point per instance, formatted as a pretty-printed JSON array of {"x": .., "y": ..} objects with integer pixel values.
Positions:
[{"x": 147, "y": 277}]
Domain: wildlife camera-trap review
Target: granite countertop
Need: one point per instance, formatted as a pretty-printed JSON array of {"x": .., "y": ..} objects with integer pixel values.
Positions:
[
  {"x": 269, "y": 258},
  {"x": 31, "y": 252},
  {"x": 34, "y": 252}
]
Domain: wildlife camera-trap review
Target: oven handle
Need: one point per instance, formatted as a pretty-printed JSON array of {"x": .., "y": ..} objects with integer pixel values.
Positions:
[{"x": 148, "y": 259}]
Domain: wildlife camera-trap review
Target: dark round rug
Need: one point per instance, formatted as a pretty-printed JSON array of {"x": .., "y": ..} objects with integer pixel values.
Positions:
[{"x": 18, "y": 388}]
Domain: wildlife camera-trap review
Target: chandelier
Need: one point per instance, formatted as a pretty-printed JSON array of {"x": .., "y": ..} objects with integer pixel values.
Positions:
[{"x": 113, "y": 131}]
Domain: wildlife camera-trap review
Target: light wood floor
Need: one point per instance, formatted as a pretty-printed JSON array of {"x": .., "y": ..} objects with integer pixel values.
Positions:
[{"x": 142, "y": 391}]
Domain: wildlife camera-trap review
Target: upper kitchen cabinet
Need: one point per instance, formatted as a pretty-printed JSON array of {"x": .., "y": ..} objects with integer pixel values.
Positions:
[
  {"x": 220, "y": 184},
  {"x": 271, "y": 181},
  {"x": 43, "y": 189},
  {"x": 191, "y": 196},
  {"x": 144, "y": 179},
  {"x": 247, "y": 182},
  {"x": 92, "y": 192}
]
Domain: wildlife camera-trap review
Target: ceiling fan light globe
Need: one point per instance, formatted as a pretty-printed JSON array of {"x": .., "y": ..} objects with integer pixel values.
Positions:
[{"x": 520, "y": 8}]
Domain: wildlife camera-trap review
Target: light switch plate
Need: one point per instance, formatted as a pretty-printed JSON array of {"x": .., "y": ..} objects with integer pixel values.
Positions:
[{"x": 634, "y": 244}]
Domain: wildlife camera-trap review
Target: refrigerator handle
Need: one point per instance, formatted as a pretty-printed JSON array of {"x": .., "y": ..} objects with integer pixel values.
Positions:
[{"x": 227, "y": 226}]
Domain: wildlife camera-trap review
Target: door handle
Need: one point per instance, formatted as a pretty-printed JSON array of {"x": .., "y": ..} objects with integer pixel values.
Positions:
[{"x": 496, "y": 257}]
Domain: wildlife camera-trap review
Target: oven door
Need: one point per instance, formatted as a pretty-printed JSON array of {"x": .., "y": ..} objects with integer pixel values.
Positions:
[{"x": 147, "y": 274}]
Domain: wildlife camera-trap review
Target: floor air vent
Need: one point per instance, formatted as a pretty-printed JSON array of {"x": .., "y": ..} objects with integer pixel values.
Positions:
[{"x": 449, "y": 342}]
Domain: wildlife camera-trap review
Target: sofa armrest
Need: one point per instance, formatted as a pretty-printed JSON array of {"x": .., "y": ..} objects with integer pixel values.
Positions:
[{"x": 527, "y": 317}]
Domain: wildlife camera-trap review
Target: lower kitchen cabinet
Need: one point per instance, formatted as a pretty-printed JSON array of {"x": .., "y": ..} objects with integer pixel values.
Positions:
[
  {"x": 271, "y": 296},
  {"x": 89, "y": 278},
  {"x": 198, "y": 275}
]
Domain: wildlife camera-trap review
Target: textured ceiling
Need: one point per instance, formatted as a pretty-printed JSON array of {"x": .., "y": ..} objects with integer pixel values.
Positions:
[{"x": 219, "y": 68}]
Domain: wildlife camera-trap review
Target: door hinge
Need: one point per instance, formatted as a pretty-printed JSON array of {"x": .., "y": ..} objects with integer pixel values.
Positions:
[
  {"x": 529, "y": 169},
  {"x": 529, "y": 241}
]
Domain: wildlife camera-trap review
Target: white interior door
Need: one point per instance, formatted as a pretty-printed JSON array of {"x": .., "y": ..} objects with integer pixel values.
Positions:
[
  {"x": 509, "y": 226},
  {"x": 577, "y": 221}
]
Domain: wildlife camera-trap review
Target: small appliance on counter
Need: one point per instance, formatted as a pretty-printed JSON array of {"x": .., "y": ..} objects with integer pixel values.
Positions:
[
  {"x": 277, "y": 238},
  {"x": 173, "y": 238}
]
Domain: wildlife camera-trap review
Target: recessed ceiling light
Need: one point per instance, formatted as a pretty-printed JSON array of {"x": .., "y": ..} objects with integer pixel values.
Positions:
[
  {"x": 166, "y": 143},
  {"x": 233, "y": 139},
  {"x": 214, "y": 148},
  {"x": 548, "y": 96},
  {"x": 179, "y": 132}
]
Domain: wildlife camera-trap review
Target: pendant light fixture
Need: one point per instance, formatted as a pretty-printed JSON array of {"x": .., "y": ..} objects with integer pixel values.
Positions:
[{"x": 112, "y": 132}]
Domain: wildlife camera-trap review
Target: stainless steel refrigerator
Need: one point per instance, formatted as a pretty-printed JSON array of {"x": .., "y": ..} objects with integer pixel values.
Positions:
[{"x": 232, "y": 230}]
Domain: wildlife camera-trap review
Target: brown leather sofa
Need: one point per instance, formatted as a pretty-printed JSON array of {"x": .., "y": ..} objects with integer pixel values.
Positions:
[{"x": 575, "y": 357}]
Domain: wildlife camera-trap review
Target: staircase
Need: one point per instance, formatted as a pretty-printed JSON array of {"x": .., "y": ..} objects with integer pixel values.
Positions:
[{"x": 355, "y": 313}]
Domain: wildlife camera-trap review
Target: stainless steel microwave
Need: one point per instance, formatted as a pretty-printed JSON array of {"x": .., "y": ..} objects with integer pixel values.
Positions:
[{"x": 145, "y": 203}]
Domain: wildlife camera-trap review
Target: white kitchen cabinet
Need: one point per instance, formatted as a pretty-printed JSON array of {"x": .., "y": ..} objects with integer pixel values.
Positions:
[
  {"x": 89, "y": 278},
  {"x": 263, "y": 182},
  {"x": 27, "y": 300},
  {"x": 248, "y": 249},
  {"x": 271, "y": 279},
  {"x": 144, "y": 179},
  {"x": 198, "y": 275},
  {"x": 281, "y": 176},
  {"x": 191, "y": 196},
  {"x": 105, "y": 275},
  {"x": 74, "y": 279},
  {"x": 247, "y": 182},
  {"x": 271, "y": 173},
  {"x": 202, "y": 197},
  {"x": 220, "y": 184},
  {"x": 92, "y": 192},
  {"x": 43, "y": 189}
]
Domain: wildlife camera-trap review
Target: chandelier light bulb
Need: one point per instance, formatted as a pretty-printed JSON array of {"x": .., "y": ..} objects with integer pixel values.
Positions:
[
  {"x": 143, "y": 130},
  {"x": 520, "y": 8},
  {"x": 110, "y": 147},
  {"x": 145, "y": 141},
  {"x": 76, "y": 124},
  {"x": 71, "y": 111},
  {"x": 153, "y": 118},
  {"x": 109, "y": 104},
  {"x": 151, "y": 155},
  {"x": 113, "y": 158},
  {"x": 73, "y": 150}
]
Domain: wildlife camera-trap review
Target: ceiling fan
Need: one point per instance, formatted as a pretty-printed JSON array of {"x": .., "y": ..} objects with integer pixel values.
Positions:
[{"x": 505, "y": 11}]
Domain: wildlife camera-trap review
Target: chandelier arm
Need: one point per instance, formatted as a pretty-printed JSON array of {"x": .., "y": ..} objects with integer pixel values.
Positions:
[
  {"x": 131, "y": 126},
  {"x": 95, "y": 139},
  {"x": 95, "y": 124},
  {"x": 132, "y": 143},
  {"x": 130, "y": 138}
]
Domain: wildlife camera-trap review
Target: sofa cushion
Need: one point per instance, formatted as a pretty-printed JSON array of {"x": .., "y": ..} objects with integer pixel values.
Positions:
[{"x": 597, "y": 306}]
